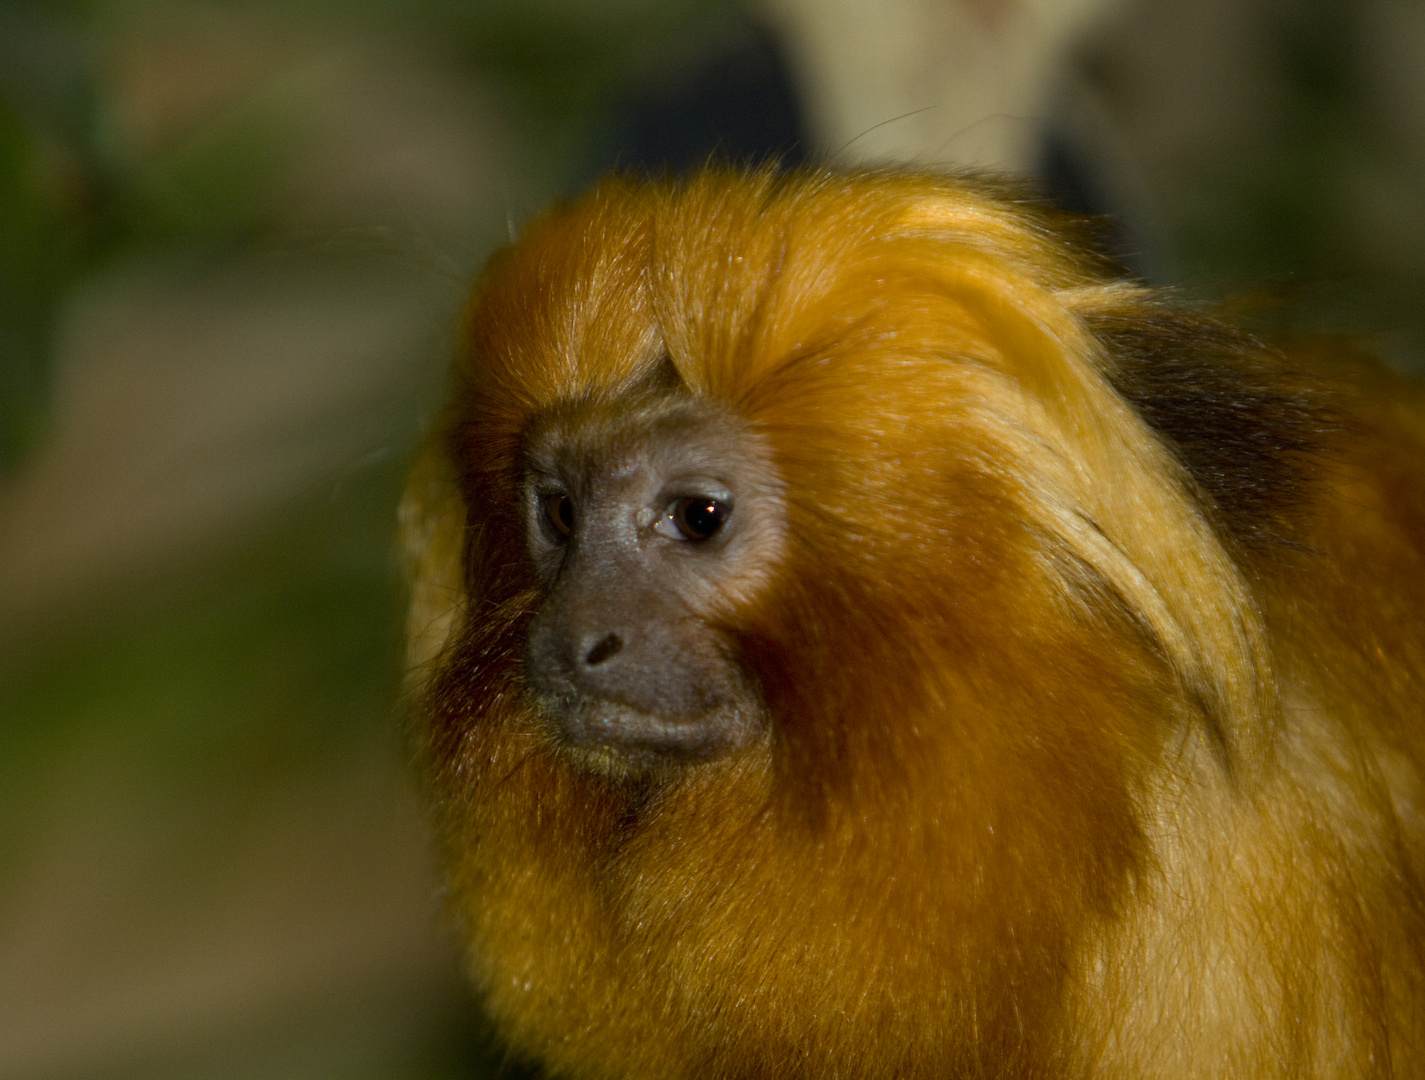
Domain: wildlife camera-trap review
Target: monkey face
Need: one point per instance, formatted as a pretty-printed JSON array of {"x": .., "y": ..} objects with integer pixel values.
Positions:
[{"x": 646, "y": 520}]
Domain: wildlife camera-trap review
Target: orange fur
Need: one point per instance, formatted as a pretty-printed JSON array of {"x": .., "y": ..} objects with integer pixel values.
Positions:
[{"x": 1093, "y": 748}]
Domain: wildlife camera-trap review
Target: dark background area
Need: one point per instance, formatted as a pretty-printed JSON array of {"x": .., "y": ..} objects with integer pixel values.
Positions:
[{"x": 233, "y": 241}]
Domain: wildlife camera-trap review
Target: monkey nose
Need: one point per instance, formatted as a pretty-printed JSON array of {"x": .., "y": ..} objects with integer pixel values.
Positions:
[{"x": 605, "y": 647}]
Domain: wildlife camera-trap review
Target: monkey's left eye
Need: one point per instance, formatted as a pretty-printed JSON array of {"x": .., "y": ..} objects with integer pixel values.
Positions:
[
  {"x": 559, "y": 510},
  {"x": 698, "y": 517}
]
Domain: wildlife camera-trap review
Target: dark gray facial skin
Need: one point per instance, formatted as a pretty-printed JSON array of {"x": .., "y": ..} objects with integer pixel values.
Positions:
[{"x": 647, "y": 520}]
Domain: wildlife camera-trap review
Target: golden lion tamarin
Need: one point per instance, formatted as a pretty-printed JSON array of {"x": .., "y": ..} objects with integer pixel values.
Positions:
[{"x": 857, "y": 634}]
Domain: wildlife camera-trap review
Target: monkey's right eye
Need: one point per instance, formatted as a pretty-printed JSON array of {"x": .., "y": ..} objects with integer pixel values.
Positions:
[
  {"x": 559, "y": 510},
  {"x": 698, "y": 517}
]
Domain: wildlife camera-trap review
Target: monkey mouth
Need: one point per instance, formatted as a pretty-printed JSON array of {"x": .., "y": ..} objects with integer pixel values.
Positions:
[{"x": 599, "y": 724}]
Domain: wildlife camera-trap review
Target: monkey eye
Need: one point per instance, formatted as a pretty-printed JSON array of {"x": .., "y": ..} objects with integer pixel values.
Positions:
[
  {"x": 698, "y": 517},
  {"x": 559, "y": 510}
]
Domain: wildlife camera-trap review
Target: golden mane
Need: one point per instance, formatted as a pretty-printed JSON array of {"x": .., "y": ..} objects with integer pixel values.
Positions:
[{"x": 1015, "y": 660}]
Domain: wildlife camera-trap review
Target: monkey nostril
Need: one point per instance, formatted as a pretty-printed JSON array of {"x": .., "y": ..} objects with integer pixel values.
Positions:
[{"x": 606, "y": 647}]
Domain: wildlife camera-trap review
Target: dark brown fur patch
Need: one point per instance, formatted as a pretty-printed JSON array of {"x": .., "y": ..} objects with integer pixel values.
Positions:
[{"x": 1249, "y": 430}]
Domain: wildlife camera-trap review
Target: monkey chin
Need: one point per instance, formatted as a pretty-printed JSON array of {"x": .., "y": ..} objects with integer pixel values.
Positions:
[{"x": 622, "y": 742}]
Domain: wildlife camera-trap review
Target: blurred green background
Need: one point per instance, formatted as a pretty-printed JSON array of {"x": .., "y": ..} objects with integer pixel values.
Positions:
[{"x": 233, "y": 239}]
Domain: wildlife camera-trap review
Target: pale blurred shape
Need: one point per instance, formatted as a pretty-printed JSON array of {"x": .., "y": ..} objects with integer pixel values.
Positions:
[{"x": 936, "y": 82}]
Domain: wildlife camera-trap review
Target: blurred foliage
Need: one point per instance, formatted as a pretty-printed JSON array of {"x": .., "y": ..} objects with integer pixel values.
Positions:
[
  {"x": 280, "y": 656},
  {"x": 181, "y": 697},
  {"x": 48, "y": 165},
  {"x": 1292, "y": 223},
  {"x": 72, "y": 192}
]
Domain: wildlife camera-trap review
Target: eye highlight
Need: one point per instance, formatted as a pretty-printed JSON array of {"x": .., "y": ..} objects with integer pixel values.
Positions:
[
  {"x": 698, "y": 517},
  {"x": 559, "y": 512}
]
